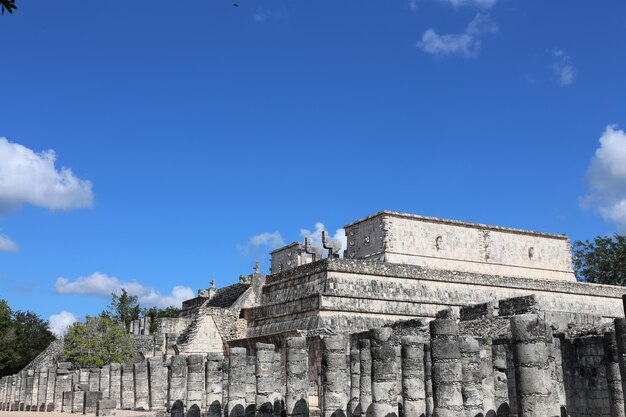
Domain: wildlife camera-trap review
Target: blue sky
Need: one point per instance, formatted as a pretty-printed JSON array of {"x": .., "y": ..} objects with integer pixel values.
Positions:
[{"x": 199, "y": 136}]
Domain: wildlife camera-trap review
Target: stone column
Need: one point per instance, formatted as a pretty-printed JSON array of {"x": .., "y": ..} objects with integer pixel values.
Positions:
[
  {"x": 62, "y": 384},
  {"x": 83, "y": 377},
  {"x": 334, "y": 377},
  {"x": 3, "y": 388},
  {"x": 195, "y": 385},
  {"x": 157, "y": 383},
  {"x": 297, "y": 396},
  {"x": 385, "y": 373},
  {"x": 91, "y": 401},
  {"x": 265, "y": 380},
  {"x": 128, "y": 387},
  {"x": 213, "y": 381},
  {"x": 142, "y": 390},
  {"x": 50, "y": 389},
  {"x": 354, "y": 410},
  {"x": 428, "y": 380},
  {"x": 78, "y": 402},
  {"x": 472, "y": 388},
  {"x": 66, "y": 401},
  {"x": 365, "y": 378},
  {"x": 23, "y": 386},
  {"x": 500, "y": 385},
  {"x": 554, "y": 387},
  {"x": 237, "y": 381},
  {"x": 413, "y": 388},
  {"x": 613, "y": 376},
  {"x": 94, "y": 380},
  {"x": 115, "y": 390},
  {"x": 447, "y": 369},
  {"x": 279, "y": 383},
  {"x": 15, "y": 394},
  {"x": 620, "y": 338},
  {"x": 31, "y": 403},
  {"x": 532, "y": 369},
  {"x": 105, "y": 384},
  {"x": 486, "y": 375},
  {"x": 178, "y": 381},
  {"x": 250, "y": 387}
]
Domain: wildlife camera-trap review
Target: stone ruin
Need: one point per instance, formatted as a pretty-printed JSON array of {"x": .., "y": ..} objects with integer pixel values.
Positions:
[{"x": 420, "y": 317}]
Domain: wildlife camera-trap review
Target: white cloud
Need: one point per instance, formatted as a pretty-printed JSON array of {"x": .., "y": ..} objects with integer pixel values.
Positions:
[
  {"x": 413, "y": 5},
  {"x": 264, "y": 15},
  {"x": 479, "y": 3},
  {"x": 59, "y": 323},
  {"x": 266, "y": 240},
  {"x": 7, "y": 245},
  {"x": 606, "y": 178},
  {"x": 563, "y": 67},
  {"x": 466, "y": 43},
  {"x": 316, "y": 236},
  {"x": 28, "y": 177},
  {"x": 103, "y": 285}
]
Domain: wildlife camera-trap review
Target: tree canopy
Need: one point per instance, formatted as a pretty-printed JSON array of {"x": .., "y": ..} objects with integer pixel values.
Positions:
[
  {"x": 602, "y": 261},
  {"x": 23, "y": 336},
  {"x": 158, "y": 313},
  {"x": 8, "y": 5},
  {"x": 98, "y": 341},
  {"x": 124, "y": 308}
]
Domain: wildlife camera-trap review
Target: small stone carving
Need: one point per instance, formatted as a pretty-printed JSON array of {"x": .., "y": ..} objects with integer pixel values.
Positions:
[
  {"x": 438, "y": 243},
  {"x": 531, "y": 252},
  {"x": 332, "y": 246},
  {"x": 312, "y": 250}
]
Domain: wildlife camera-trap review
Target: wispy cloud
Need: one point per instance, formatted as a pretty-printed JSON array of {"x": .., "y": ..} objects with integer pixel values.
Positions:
[
  {"x": 316, "y": 235},
  {"x": 265, "y": 15},
  {"x": 606, "y": 178},
  {"x": 61, "y": 322},
  {"x": 103, "y": 285},
  {"x": 7, "y": 245},
  {"x": 260, "y": 242},
  {"x": 28, "y": 177},
  {"x": 563, "y": 67},
  {"x": 413, "y": 5},
  {"x": 476, "y": 3},
  {"x": 467, "y": 43}
]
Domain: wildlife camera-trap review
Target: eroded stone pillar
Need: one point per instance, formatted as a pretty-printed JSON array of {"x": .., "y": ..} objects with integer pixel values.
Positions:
[
  {"x": 105, "y": 382},
  {"x": 532, "y": 368},
  {"x": 237, "y": 381},
  {"x": 447, "y": 371},
  {"x": 354, "y": 410},
  {"x": 413, "y": 387},
  {"x": 365, "y": 378},
  {"x": 157, "y": 383},
  {"x": 279, "y": 382},
  {"x": 31, "y": 395},
  {"x": 265, "y": 380},
  {"x": 487, "y": 377},
  {"x": 195, "y": 385},
  {"x": 128, "y": 387},
  {"x": 177, "y": 383},
  {"x": 613, "y": 376},
  {"x": 213, "y": 380},
  {"x": 94, "y": 380},
  {"x": 334, "y": 376},
  {"x": 115, "y": 391},
  {"x": 49, "y": 405},
  {"x": 78, "y": 402},
  {"x": 297, "y": 396},
  {"x": 620, "y": 338},
  {"x": 428, "y": 380},
  {"x": 142, "y": 390},
  {"x": 250, "y": 387},
  {"x": 62, "y": 384},
  {"x": 385, "y": 373},
  {"x": 472, "y": 388}
]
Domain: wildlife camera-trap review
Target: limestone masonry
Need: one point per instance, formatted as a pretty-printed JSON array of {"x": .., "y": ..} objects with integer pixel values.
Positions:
[{"x": 418, "y": 316}]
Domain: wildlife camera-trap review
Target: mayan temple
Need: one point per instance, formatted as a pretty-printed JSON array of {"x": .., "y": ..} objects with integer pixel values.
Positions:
[{"x": 416, "y": 317}]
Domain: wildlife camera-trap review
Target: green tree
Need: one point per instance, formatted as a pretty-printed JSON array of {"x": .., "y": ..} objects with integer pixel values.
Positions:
[
  {"x": 23, "y": 336},
  {"x": 98, "y": 341},
  {"x": 602, "y": 261},
  {"x": 158, "y": 313},
  {"x": 124, "y": 308},
  {"x": 8, "y": 5}
]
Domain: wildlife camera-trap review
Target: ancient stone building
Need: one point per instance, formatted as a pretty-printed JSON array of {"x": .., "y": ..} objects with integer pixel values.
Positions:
[{"x": 419, "y": 317}]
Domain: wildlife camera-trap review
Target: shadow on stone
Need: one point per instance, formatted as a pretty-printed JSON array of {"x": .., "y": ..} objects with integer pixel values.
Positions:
[
  {"x": 194, "y": 411},
  {"x": 490, "y": 413},
  {"x": 214, "y": 409},
  {"x": 563, "y": 411},
  {"x": 504, "y": 410},
  {"x": 338, "y": 413},
  {"x": 237, "y": 411},
  {"x": 178, "y": 409},
  {"x": 301, "y": 409}
]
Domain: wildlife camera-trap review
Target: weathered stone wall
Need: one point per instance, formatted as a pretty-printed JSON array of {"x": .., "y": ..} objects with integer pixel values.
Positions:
[{"x": 461, "y": 246}]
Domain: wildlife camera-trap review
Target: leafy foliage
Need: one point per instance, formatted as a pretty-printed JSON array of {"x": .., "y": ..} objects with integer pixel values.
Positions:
[
  {"x": 98, "y": 341},
  {"x": 8, "y": 5},
  {"x": 159, "y": 313},
  {"x": 602, "y": 261},
  {"x": 124, "y": 308},
  {"x": 23, "y": 336}
]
